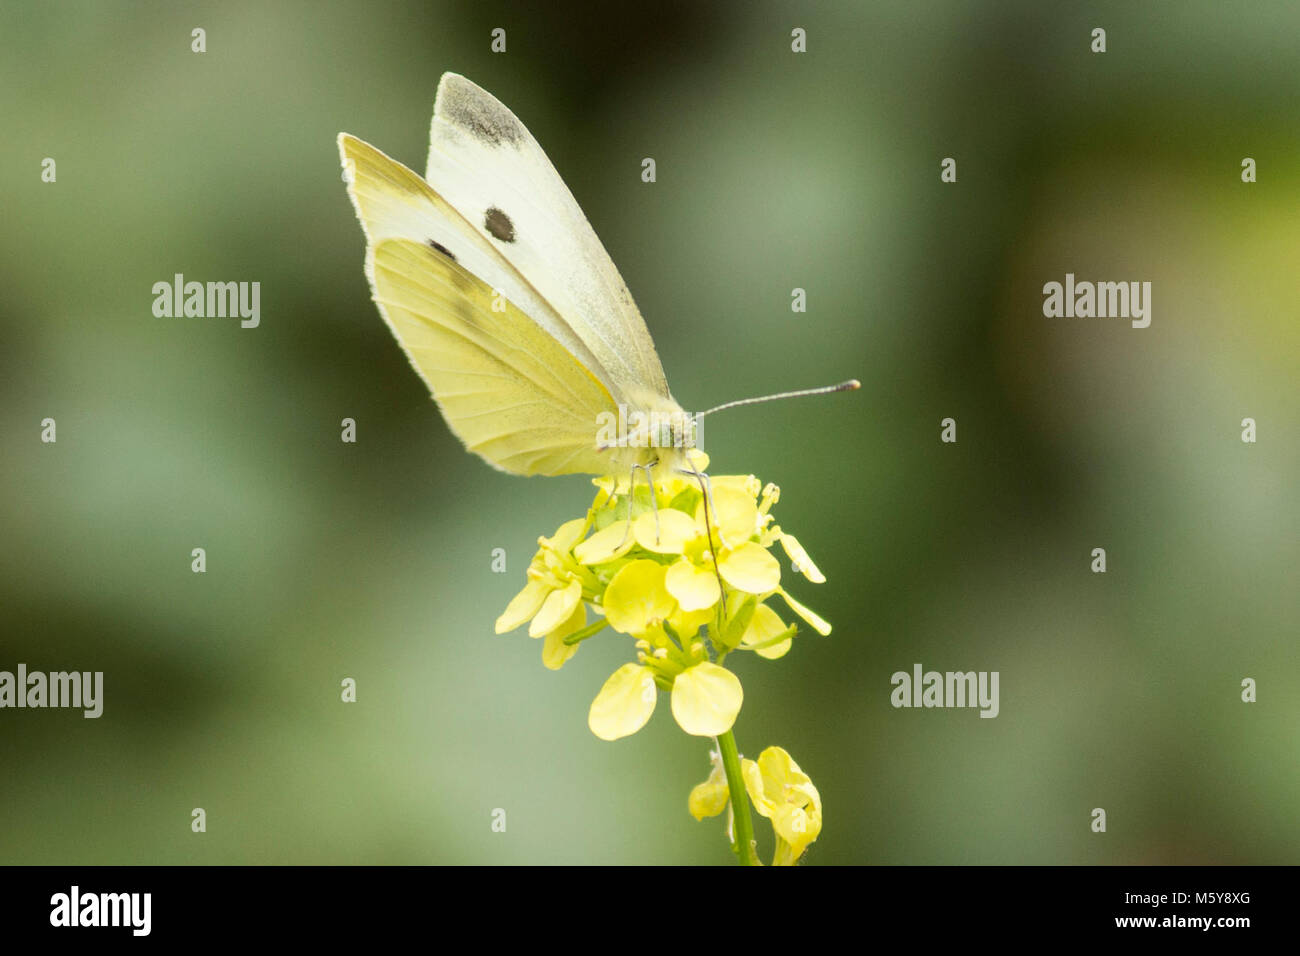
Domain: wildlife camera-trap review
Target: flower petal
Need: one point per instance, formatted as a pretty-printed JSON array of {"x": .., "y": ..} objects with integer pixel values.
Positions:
[
  {"x": 565, "y": 537},
  {"x": 764, "y": 626},
  {"x": 686, "y": 624},
  {"x": 694, "y": 588},
  {"x": 624, "y": 703},
  {"x": 609, "y": 543},
  {"x": 706, "y": 699},
  {"x": 709, "y": 798},
  {"x": 674, "y": 530},
  {"x": 555, "y": 652},
  {"x": 796, "y": 826},
  {"x": 802, "y": 563},
  {"x": 779, "y": 769},
  {"x": 697, "y": 459},
  {"x": 754, "y": 786},
  {"x": 745, "y": 483},
  {"x": 556, "y": 609},
  {"x": 636, "y": 597},
  {"x": 815, "y": 620},
  {"x": 750, "y": 568},
  {"x": 734, "y": 513},
  {"x": 523, "y": 605}
]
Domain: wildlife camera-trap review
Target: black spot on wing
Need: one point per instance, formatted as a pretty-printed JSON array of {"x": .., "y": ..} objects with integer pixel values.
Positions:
[
  {"x": 439, "y": 247},
  {"x": 499, "y": 225},
  {"x": 485, "y": 119}
]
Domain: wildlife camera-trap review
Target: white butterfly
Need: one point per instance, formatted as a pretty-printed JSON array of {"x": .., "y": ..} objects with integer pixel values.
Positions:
[
  {"x": 506, "y": 303},
  {"x": 492, "y": 223}
]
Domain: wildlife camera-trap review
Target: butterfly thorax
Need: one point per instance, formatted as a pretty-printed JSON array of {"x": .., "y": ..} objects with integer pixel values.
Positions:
[{"x": 643, "y": 433}]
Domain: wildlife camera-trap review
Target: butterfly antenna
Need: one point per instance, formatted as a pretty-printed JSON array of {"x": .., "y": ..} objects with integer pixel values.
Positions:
[{"x": 848, "y": 386}]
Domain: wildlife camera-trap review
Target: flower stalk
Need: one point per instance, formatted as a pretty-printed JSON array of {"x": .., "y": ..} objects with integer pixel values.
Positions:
[{"x": 743, "y": 844}]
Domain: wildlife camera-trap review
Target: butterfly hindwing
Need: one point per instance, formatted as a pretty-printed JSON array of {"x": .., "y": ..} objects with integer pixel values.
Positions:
[{"x": 508, "y": 390}]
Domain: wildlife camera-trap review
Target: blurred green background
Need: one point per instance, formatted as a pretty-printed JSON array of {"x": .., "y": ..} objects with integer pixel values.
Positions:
[{"x": 775, "y": 171}]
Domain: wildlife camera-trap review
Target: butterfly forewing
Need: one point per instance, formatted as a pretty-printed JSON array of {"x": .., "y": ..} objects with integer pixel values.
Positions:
[
  {"x": 393, "y": 202},
  {"x": 487, "y": 165},
  {"x": 515, "y": 383}
]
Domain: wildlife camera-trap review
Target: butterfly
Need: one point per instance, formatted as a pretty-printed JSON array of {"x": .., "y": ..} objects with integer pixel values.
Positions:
[{"x": 506, "y": 303}]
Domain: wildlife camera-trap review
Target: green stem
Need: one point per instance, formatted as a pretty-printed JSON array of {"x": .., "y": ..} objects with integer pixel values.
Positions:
[
  {"x": 595, "y": 627},
  {"x": 744, "y": 845}
]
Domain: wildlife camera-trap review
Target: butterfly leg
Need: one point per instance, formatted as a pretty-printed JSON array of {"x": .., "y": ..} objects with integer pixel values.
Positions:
[
  {"x": 707, "y": 487},
  {"x": 631, "y": 486},
  {"x": 654, "y": 502}
]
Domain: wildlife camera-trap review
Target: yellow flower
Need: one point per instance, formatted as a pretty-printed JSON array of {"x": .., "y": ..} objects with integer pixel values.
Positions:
[
  {"x": 750, "y": 568},
  {"x": 706, "y": 698},
  {"x": 624, "y": 704},
  {"x": 605, "y": 545},
  {"x": 637, "y": 599},
  {"x": 784, "y": 794},
  {"x": 767, "y": 635},
  {"x": 694, "y": 587},
  {"x": 727, "y": 546},
  {"x": 711, "y": 797},
  {"x": 799, "y": 557},
  {"x": 666, "y": 531},
  {"x": 552, "y": 600},
  {"x": 683, "y": 571},
  {"x": 554, "y": 651},
  {"x": 557, "y": 608},
  {"x": 819, "y": 623}
]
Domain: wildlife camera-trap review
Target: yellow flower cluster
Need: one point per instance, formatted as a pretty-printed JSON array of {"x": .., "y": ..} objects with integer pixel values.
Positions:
[
  {"x": 779, "y": 791},
  {"x": 686, "y": 577}
]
